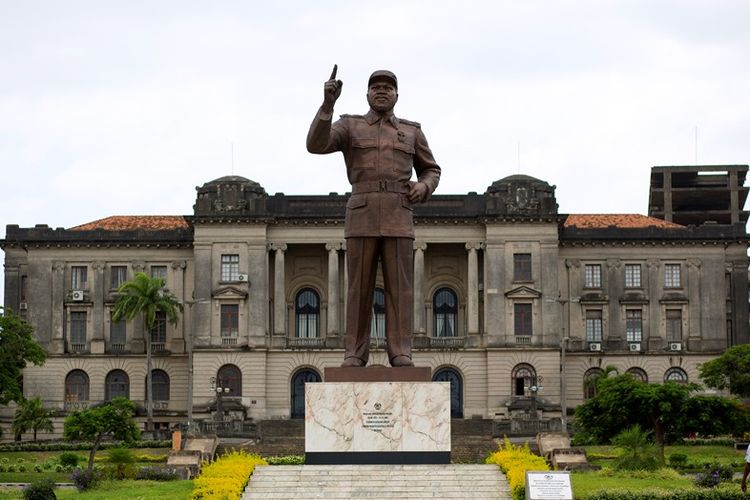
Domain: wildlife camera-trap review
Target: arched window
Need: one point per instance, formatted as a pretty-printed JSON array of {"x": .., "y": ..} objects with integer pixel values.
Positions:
[
  {"x": 229, "y": 376},
  {"x": 378, "y": 314},
  {"x": 307, "y": 309},
  {"x": 445, "y": 311},
  {"x": 77, "y": 386},
  {"x": 160, "y": 385},
  {"x": 116, "y": 384},
  {"x": 298, "y": 390},
  {"x": 589, "y": 382},
  {"x": 522, "y": 377},
  {"x": 452, "y": 376},
  {"x": 676, "y": 374},
  {"x": 638, "y": 373}
]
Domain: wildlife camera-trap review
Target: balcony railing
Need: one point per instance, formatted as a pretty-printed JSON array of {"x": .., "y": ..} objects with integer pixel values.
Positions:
[
  {"x": 228, "y": 341},
  {"x": 447, "y": 342},
  {"x": 377, "y": 342},
  {"x": 75, "y": 347},
  {"x": 117, "y": 347},
  {"x": 158, "y": 347},
  {"x": 310, "y": 342},
  {"x": 523, "y": 340},
  {"x": 75, "y": 405}
]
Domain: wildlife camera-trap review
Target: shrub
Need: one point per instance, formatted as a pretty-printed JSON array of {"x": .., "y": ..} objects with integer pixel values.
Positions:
[
  {"x": 38, "y": 468},
  {"x": 514, "y": 461},
  {"x": 660, "y": 494},
  {"x": 123, "y": 460},
  {"x": 678, "y": 460},
  {"x": 3, "y": 468},
  {"x": 637, "y": 452},
  {"x": 713, "y": 475},
  {"x": 10, "y": 468},
  {"x": 226, "y": 477},
  {"x": 59, "y": 468},
  {"x": 69, "y": 459},
  {"x": 21, "y": 467},
  {"x": 156, "y": 474},
  {"x": 84, "y": 479},
  {"x": 43, "y": 489},
  {"x": 20, "y": 460},
  {"x": 286, "y": 460}
]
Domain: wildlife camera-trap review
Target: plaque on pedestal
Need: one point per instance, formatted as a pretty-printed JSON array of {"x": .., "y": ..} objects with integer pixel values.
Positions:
[{"x": 377, "y": 422}]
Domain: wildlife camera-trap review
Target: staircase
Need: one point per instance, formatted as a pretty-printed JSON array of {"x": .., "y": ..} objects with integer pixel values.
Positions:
[{"x": 301, "y": 482}]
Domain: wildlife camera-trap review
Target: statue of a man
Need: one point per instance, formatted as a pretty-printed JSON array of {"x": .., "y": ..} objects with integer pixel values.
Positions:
[{"x": 380, "y": 152}]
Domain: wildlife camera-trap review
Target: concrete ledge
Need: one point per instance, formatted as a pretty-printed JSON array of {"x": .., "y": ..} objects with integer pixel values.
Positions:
[
  {"x": 378, "y": 458},
  {"x": 378, "y": 374}
]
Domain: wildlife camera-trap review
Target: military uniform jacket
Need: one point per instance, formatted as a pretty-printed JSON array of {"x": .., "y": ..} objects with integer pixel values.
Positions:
[{"x": 380, "y": 153}]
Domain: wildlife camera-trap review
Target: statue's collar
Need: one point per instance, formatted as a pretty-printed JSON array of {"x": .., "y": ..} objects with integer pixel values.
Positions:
[{"x": 372, "y": 117}]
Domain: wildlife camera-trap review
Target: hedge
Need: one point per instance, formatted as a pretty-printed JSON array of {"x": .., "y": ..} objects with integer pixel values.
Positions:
[
  {"x": 514, "y": 461},
  {"x": 82, "y": 445},
  {"x": 649, "y": 494}
]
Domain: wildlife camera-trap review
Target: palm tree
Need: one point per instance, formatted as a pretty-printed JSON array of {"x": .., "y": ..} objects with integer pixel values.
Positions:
[
  {"x": 31, "y": 415},
  {"x": 146, "y": 296}
]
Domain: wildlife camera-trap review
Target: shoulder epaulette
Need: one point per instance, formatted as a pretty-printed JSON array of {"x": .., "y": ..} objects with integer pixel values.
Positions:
[
  {"x": 409, "y": 122},
  {"x": 352, "y": 116}
]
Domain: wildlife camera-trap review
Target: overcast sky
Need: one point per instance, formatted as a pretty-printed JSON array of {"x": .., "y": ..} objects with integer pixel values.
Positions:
[{"x": 122, "y": 108}]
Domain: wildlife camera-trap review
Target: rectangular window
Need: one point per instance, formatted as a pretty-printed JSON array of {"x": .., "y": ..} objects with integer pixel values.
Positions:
[
  {"x": 594, "y": 326},
  {"x": 159, "y": 272},
  {"x": 522, "y": 319},
  {"x": 78, "y": 276},
  {"x": 672, "y": 276},
  {"x": 634, "y": 325},
  {"x": 119, "y": 275},
  {"x": 24, "y": 285},
  {"x": 521, "y": 267},
  {"x": 117, "y": 333},
  {"x": 230, "y": 320},
  {"x": 674, "y": 324},
  {"x": 230, "y": 267},
  {"x": 632, "y": 275},
  {"x": 593, "y": 276},
  {"x": 78, "y": 330},
  {"x": 159, "y": 331}
]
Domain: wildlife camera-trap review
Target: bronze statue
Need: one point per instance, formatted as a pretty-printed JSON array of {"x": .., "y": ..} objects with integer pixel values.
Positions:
[{"x": 380, "y": 152}]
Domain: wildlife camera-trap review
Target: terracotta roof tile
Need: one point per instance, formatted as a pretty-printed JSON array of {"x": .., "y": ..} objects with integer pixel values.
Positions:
[
  {"x": 624, "y": 221},
  {"x": 135, "y": 223}
]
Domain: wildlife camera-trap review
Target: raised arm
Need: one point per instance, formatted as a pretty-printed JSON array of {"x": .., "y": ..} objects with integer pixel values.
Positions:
[{"x": 319, "y": 138}]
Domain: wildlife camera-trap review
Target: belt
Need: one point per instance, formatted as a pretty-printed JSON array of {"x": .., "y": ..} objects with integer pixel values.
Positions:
[{"x": 380, "y": 186}]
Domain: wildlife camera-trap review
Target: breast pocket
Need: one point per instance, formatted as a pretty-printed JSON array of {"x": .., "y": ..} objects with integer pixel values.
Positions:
[{"x": 364, "y": 152}]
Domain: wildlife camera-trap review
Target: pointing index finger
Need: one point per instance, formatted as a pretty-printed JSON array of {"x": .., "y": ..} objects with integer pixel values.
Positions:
[{"x": 333, "y": 73}]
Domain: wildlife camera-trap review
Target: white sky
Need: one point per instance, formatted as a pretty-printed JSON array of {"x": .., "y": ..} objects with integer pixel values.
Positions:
[{"x": 122, "y": 108}]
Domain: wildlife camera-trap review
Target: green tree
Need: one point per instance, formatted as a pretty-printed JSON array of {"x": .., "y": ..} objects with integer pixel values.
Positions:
[
  {"x": 730, "y": 371},
  {"x": 622, "y": 401},
  {"x": 18, "y": 349},
  {"x": 713, "y": 416},
  {"x": 113, "y": 419},
  {"x": 31, "y": 415},
  {"x": 146, "y": 296}
]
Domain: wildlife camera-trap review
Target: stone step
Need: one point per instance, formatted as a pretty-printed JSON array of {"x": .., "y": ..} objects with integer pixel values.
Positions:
[{"x": 301, "y": 482}]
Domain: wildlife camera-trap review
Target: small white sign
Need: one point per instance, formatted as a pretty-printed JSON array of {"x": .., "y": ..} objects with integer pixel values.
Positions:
[{"x": 548, "y": 485}]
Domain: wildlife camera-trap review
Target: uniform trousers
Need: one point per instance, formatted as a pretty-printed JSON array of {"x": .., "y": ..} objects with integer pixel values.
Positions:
[{"x": 397, "y": 261}]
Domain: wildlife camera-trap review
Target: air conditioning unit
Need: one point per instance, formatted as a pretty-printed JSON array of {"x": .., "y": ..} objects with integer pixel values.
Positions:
[
  {"x": 636, "y": 347},
  {"x": 595, "y": 346},
  {"x": 242, "y": 278},
  {"x": 23, "y": 306},
  {"x": 77, "y": 295},
  {"x": 675, "y": 346}
]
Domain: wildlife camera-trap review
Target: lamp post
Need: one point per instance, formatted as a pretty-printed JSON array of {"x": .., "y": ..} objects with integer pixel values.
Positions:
[
  {"x": 216, "y": 386},
  {"x": 563, "y": 348}
]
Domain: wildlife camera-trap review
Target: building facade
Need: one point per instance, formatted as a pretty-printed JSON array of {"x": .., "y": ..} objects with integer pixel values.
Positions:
[{"x": 518, "y": 306}]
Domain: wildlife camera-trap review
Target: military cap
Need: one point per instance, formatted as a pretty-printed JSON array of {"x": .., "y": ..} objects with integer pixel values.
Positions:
[{"x": 383, "y": 74}]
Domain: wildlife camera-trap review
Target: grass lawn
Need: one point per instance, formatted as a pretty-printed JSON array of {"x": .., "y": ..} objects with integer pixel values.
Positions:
[
  {"x": 587, "y": 482},
  {"x": 114, "y": 490}
]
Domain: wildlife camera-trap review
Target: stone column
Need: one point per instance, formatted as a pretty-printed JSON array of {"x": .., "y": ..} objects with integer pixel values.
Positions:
[
  {"x": 177, "y": 340},
  {"x": 97, "y": 320},
  {"x": 419, "y": 314},
  {"x": 692, "y": 333},
  {"x": 652, "y": 285},
  {"x": 279, "y": 289},
  {"x": 333, "y": 288},
  {"x": 472, "y": 299},
  {"x": 57, "y": 343}
]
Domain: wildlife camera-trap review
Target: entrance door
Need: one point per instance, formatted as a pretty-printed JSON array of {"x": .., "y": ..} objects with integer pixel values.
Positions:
[
  {"x": 298, "y": 390},
  {"x": 450, "y": 375}
]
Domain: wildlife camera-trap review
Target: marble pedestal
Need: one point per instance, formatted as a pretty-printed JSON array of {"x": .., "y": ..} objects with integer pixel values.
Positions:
[{"x": 377, "y": 423}]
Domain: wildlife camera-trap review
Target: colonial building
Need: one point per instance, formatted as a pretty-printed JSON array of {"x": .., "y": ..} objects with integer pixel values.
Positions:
[{"x": 518, "y": 306}]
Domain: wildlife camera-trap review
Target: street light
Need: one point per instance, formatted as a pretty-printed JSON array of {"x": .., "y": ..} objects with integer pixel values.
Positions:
[
  {"x": 563, "y": 348},
  {"x": 220, "y": 391}
]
